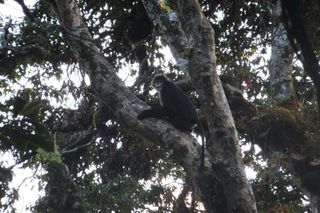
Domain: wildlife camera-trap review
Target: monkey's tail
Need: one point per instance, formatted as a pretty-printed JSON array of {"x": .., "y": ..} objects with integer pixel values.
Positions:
[{"x": 203, "y": 145}]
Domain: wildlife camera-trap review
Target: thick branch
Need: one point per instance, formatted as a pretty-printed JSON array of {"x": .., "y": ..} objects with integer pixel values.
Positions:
[
  {"x": 25, "y": 9},
  {"x": 63, "y": 194},
  {"x": 280, "y": 64},
  {"x": 292, "y": 14},
  {"x": 195, "y": 43},
  {"x": 11, "y": 56},
  {"x": 112, "y": 92}
]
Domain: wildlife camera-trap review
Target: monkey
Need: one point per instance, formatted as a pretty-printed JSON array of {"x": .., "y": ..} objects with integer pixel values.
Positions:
[
  {"x": 133, "y": 29},
  {"x": 140, "y": 27},
  {"x": 175, "y": 106}
]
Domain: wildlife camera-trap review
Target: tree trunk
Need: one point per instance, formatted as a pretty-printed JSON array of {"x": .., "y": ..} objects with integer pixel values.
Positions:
[
  {"x": 222, "y": 185},
  {"x": 280, "y": 64},
  {"x": 280, "y": 67},
  {"x": 193, "y": 41}
]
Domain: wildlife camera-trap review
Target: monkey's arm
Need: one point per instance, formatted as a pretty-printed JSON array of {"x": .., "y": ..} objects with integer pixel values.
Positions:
[{"x": 158, "y": 112}]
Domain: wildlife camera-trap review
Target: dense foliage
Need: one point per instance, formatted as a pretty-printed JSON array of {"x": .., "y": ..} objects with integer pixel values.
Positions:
[{"x": 51, "y": 117}]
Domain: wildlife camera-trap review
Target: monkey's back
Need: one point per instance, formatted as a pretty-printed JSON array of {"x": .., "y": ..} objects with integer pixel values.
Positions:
[{"x": 178, "y": 103}]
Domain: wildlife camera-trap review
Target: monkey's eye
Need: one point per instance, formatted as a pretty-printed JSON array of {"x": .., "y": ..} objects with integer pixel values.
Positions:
[{"x": 157, "y": 85}]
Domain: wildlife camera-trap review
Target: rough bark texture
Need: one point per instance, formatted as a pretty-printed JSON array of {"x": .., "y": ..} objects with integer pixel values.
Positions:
[
  {"x": 222, "y": 185},
  {"x": 63, "y": 194},
  {"x": 293, "y": 18},
  {"x": 122, "y": 103},
  {"x": 280, "y": 64},
  {"x": 280, "y": 67},
  {"x": 224, "y": 172}
]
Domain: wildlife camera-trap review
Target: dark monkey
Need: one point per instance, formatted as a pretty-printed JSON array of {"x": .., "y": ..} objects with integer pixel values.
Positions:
[
  {"x": 140, "y": 26},
  {"x": 175, "y": 106}
]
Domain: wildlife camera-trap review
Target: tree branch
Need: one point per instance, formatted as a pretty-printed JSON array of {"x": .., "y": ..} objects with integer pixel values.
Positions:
[
  {"x": 191, "y": 38},
  {"x": 117, "y": 97},
  {"x": 280, "y": 64}
]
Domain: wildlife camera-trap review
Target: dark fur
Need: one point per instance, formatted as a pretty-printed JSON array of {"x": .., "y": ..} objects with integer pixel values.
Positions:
[
  {"x": 176, "y": 107},
  {"x": 140, "y": 26}
]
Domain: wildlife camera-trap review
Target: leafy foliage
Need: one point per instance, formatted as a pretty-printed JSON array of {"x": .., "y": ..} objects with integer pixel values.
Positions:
[{"x": 113, "y": 170}]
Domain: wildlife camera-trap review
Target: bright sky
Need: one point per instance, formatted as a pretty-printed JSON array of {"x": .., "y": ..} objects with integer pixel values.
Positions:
[{"x": 13, "y": 9}]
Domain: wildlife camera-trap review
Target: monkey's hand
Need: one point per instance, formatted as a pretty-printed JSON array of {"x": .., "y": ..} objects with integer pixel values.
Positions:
[
  {"x": 158, "y": 112},
  {"x": 144, "y": 114}
]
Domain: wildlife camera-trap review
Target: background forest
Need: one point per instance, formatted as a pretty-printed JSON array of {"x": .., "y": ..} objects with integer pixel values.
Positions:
[{"x": 75, "y": 74}]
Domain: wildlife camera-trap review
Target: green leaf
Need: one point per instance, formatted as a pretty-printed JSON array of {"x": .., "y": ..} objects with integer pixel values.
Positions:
[
  {"x": 18, "y": 104},
  {"x": 40, "y": 139},
  {"x": 30, "y": 107}
]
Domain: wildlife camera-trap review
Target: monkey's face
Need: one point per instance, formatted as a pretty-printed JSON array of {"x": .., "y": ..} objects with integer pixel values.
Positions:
[
  {"x": 157, "y": 85},
  {"x": 158, "y": 81}
]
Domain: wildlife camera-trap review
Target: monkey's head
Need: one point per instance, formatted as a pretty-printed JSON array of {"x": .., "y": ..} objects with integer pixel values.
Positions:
[{"x": 158, "y": 81}]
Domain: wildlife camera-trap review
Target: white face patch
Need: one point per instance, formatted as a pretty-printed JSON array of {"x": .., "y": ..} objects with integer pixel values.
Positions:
[
  {"x": 157, "y": 83},
  {"x": 157, "y": 86}
]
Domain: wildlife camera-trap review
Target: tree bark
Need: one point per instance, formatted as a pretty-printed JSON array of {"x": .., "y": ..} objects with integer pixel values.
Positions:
[
  {"x": 117, "y": 97},
  {"x": 280, "y": 64},
  {"x": 193, "y": 41},
  {"x": 63, "y": 195},
  {"x": 280, "y": 67},
  {"x": 222, "y": 185}
]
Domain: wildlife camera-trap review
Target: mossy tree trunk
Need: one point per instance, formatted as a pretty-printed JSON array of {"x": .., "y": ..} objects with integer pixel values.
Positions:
[{"x": 222, "y": 185}]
